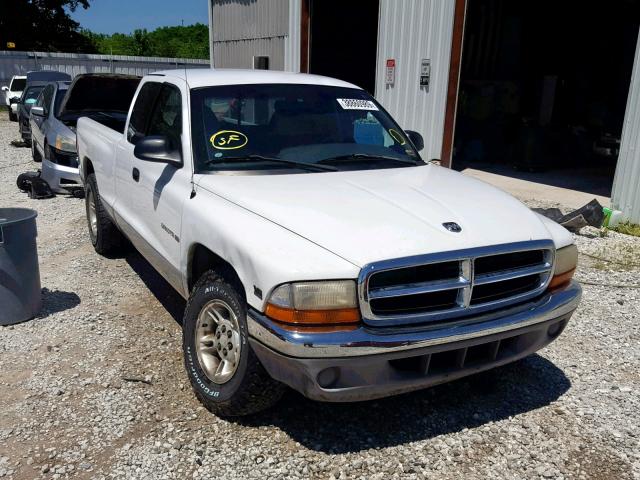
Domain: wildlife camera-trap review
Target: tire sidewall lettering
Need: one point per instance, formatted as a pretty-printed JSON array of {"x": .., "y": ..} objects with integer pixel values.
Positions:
[
  {"x": 204, "y": 388},
  {"x": 218, "y": 393}
]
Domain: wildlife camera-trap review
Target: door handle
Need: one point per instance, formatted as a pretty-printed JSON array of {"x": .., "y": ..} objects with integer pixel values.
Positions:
[{"x": 135, "y": 174}]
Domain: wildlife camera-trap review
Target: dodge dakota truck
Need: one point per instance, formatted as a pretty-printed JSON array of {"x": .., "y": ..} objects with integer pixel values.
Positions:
[{"x": 317, "y": 250}]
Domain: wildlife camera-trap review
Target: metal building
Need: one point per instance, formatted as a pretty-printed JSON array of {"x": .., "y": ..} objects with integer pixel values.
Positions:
[{"x": 479, "y": 79}]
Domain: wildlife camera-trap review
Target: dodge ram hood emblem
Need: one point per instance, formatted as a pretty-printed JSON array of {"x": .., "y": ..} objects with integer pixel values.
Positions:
[{"x": 452, "y": 227}]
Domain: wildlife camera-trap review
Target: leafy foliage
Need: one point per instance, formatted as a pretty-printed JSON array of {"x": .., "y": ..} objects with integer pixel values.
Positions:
[
  {"x": 45, "y": 25},
  {"x": 42, "y": 25},
  {"x": 627, "y": 228},
  {"x": 190, "y": 41}
]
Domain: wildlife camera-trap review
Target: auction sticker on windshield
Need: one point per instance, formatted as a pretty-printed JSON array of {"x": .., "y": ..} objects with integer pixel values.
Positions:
[
  {"x": 356, "y": 104},
  {"x": 228, "y": 140}
]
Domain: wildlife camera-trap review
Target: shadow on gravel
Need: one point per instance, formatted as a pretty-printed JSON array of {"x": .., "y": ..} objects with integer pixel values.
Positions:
[
  {"x": 467, "y": 403},
  {"x": 351, "y": 427},
  {"x": 158, "y": 286},
  {"x": 54, "y": 301}
]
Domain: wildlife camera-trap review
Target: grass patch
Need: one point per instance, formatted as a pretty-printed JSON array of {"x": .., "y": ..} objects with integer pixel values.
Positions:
[{"x": 627, "y": 228}]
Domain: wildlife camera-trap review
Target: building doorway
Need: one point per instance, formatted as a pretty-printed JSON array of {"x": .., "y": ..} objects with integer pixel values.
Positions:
[
  {"x": 543, "y": 89},
  {"x": 342, "y": 40}
]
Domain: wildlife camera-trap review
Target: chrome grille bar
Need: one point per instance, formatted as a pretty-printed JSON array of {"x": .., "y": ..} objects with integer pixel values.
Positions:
[
  {"x": 530, "y": 280},
  {"x": 418, "y": 288},
  {"x": 510, "y": 274}
]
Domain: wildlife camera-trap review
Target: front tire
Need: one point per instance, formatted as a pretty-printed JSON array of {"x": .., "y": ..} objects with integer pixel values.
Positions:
[
  {"x": 12, "y": 116},
  {"x": 225, "y": 373},
  {"x": 105, "y": 236},
  {"x": 34, "y": 153}
]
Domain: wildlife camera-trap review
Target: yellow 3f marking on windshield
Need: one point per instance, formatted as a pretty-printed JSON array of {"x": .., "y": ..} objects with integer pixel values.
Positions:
[
  {"x": 396, "y": 136},
  {"x": 228, "y": 140}
]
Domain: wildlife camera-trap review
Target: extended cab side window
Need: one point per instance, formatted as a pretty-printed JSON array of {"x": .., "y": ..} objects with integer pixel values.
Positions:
[
  {"x": 46, "y": 97},
  {"x": 167, "y": 115},
  {"x": 142, "y": 111}
]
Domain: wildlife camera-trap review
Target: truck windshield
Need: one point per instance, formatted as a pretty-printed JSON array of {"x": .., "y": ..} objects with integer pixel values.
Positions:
[
  {"x": 287, "y": 127},
  {"x": 31, "y": 96},
  {"x": 18, "y": 84}
]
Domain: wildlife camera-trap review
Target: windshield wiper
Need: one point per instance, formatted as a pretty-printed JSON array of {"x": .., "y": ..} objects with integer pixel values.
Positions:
[
  {"x": 262, "y": 158},
  {"x": 365, "y": 156}
]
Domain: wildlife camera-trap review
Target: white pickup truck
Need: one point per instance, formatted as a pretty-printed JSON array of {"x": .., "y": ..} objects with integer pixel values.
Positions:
[{"x": 315, "y": 247}]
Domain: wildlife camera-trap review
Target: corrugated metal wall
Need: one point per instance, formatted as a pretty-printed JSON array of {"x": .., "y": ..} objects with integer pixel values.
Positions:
[
  {"x": 15, "y": 63},
  {"x": 409, "y": 31},
  {"x": 626, "y": 184},
  {"x": 240, "y": 53},
  {"x": 245, "y": 28}
]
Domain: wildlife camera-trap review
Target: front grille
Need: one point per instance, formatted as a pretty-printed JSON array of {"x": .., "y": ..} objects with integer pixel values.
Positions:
[{"x": 450, "y": 285}]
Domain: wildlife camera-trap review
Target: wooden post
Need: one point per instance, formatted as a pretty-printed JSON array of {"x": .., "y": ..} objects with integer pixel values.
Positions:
[{"x": 454, "y": 80}]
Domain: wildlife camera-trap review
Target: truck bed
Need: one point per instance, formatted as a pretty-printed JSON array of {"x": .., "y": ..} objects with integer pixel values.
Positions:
[
  {"x": 113, "y": 121},
  {"x": 97, "y": 140}
]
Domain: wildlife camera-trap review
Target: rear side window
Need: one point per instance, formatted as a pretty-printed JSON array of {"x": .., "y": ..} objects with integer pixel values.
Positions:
[
  {"x": 58, "y": 101},
  {"x": 46, "y": 98},
  {"x": 142, "y": 111}
]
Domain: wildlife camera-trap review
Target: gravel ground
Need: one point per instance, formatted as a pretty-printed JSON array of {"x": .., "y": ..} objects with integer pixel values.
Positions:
[{"x": 95, "y": 387}]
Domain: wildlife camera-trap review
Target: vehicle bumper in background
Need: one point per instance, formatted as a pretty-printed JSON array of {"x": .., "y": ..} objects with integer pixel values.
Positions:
[
  {"x": 14, "y": 108},
  {"x": 369, "y": 363},
  {"x": 61, "y": 179}
]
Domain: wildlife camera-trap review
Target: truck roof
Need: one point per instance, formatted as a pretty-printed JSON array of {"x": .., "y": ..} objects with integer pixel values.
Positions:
[{"x": 209, "y": 77}]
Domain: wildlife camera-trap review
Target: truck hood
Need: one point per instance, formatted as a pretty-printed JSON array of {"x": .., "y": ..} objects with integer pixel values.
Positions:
[{"x": 372, "y": 215}]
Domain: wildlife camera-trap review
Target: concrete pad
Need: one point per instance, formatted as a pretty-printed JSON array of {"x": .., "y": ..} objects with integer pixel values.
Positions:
[{"x": 527, "y": 190}]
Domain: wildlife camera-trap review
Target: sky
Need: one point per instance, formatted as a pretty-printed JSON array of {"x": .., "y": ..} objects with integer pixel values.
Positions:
[{"x": 124, "y": 16}]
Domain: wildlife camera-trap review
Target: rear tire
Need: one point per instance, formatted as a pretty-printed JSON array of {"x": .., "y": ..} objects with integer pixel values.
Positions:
[
  {"x": 105, "y": 236},
  {"x": 241, "y": 386}
]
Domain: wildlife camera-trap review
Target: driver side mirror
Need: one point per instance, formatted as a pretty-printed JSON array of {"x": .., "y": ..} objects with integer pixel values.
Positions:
[
  {"x": 416, "y": 139},
  {"x": 158, "y": 148},
  {"x": 5, "y": 88},
  {"x": 37, "y": 111}
]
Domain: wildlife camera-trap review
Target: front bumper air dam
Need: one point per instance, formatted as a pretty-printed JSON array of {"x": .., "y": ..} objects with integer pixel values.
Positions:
[
  {"x": 61, "y": 179},
  {"x": 369, "y": 363}
]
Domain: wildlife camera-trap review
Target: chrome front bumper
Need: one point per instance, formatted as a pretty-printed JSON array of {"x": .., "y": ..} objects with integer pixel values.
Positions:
[
  {"x": 368, "y": 363},
  {"x": 370, "y": 341}
]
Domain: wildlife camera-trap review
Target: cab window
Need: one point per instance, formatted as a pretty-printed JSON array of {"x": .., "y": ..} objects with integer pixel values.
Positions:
[
  {"x": 166, "y": 119},
  {"x": 45, "y": 97},
  {"x": 142, "y": 110}
]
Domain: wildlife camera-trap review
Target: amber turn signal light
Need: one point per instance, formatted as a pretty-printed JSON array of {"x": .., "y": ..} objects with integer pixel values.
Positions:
[
  {"x": 312, "y": 317},
  {"x": 558, "y": 281}
]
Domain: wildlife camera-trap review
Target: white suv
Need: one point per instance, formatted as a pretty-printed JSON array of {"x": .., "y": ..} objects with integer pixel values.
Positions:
[{"x": 13, "y": 93}]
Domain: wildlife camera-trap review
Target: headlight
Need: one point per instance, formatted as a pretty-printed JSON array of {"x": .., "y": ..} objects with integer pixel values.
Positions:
[
  {"x": 314, "y": 303},
  {"x": 65, "y": 143},
  {"x": 565, "y": 266}
]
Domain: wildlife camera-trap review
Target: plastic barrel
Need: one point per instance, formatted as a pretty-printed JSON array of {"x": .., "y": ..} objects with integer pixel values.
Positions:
[{"x": 20, "y": 294}]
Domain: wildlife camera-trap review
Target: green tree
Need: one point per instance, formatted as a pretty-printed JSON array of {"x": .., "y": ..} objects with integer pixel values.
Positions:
[
  {"x": 43, "y": 25},
  {"x": 191, "y": 41}
]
